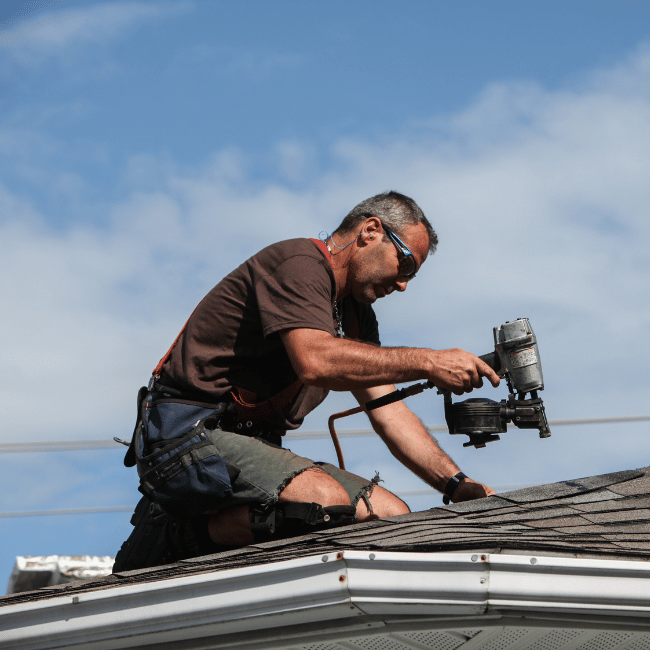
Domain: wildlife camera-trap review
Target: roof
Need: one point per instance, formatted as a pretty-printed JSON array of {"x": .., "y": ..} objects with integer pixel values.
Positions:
[
  {"x": 599, "y": 516},
  {"x": 572, "y": 554}
]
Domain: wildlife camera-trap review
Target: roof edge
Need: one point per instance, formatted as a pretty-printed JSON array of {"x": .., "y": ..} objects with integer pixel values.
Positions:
[{"x": 354, "y": 589}]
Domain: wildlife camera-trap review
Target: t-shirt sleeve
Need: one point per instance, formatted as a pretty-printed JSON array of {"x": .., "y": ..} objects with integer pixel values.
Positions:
[{"x": 298, "y": 293}]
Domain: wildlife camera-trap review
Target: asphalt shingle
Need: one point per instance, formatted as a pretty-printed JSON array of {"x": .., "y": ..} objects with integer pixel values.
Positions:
[{"x": 603, "y": 516}]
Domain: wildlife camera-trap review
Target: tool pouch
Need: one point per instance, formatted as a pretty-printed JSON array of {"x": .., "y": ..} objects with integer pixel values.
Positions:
[{"x": 179, "y": 467}]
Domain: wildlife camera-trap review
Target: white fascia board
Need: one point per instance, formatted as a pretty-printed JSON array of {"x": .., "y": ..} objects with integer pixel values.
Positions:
[
  {"x": 418, "y": 581},
  {"x": 507, "y": 585},
  {"x": 356, "y": 585},
  {"x": 569, "y": 585},
  {"x": 219, "y": 602}
]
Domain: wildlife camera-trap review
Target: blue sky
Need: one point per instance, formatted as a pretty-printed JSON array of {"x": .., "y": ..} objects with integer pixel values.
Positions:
[{"x": 146, "y": 148}]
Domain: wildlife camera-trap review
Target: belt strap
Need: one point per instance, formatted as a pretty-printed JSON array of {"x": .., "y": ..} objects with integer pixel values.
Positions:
[{"x": 249, "y": 410}]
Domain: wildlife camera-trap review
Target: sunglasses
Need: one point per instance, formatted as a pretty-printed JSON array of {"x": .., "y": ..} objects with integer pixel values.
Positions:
[{"x": 407, "y": 265}]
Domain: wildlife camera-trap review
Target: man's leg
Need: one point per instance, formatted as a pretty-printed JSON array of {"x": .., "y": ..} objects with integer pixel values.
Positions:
[
  {"x": 269, "y": 475},
  {"x": 338, "y": 487},
  {"x": 383, "y": 504},
  {"x": 314, "y": 485}
]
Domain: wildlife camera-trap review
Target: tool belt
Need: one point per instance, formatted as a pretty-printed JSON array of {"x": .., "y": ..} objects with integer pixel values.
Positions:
[{"x": 178, "y": 465}]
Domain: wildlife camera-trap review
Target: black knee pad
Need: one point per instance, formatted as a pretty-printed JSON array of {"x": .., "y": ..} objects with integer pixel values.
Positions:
[
  {"x": 160, "y": 539},
  {"x": 290, "y": 519}
]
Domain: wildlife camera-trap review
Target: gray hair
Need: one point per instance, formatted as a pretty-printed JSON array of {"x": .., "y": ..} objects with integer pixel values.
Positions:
[{"x": 394, "y": 210}]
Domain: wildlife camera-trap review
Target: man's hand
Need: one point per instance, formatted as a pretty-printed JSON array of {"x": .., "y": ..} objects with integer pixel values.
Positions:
[
  {"x": 468, "y": 490},
  {"x": 460, "y": 371}
]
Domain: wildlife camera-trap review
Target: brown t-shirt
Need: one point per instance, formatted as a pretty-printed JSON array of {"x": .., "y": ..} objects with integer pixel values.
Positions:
[{"x": 232, "y": 338}]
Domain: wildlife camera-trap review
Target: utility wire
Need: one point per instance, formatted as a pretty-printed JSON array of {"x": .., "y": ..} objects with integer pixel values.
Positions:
[
  {"x": 89, "y": 445},
  {"x": 92, "y": 511},
  {"x": 67, "y": 511},
  {"x": 57, "y": 445},
  {"x": 83, "y": 445}
]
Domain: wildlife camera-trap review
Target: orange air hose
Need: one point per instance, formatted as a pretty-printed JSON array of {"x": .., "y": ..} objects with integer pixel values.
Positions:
[{"x": 335, "y": 439}]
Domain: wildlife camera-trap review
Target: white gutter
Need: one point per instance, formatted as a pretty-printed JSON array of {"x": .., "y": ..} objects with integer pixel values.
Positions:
[{"x": 348, "y": 593}]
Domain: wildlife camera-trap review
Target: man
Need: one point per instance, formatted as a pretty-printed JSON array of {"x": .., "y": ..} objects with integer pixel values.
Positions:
[{"x": 260, "y": 352}]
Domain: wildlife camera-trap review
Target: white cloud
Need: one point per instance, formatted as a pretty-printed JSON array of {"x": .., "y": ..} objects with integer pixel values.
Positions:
[
  {"x": 33, "y": 39},
  {"x": 550, "y": 201}
]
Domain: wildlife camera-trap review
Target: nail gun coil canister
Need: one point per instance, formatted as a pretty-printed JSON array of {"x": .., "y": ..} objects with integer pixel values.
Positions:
[
  {"x": 516, "y": 345},
  {"x": 523, "y": 358}
]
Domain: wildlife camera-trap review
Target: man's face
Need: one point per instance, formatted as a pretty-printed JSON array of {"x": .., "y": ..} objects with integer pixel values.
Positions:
[{"x": 376, "y": 266}]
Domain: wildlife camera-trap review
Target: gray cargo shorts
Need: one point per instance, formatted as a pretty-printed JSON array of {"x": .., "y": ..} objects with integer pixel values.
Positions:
[{"x": 265, "y": 470}]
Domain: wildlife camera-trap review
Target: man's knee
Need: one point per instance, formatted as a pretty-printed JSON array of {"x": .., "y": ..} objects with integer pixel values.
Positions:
[
  {"x": 315, "y": 485},
  {"x": 382, "y": 504},
  {"x": 310, "y": 501}
]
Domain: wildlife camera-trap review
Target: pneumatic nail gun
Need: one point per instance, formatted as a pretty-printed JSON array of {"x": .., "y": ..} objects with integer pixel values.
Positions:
[{"x": 516, "y": 359}]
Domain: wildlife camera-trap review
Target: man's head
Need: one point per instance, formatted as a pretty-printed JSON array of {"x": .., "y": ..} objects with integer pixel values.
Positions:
[
  {"x": 391, "y": 239},
  {"x": 394, "y": 210}
]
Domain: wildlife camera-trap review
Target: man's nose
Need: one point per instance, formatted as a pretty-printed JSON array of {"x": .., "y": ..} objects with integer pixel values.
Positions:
[{"x": 401, "y": 285}]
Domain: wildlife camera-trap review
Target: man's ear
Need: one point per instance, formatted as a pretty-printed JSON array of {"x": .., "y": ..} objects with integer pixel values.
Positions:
[{"x": 371, "y": 229}]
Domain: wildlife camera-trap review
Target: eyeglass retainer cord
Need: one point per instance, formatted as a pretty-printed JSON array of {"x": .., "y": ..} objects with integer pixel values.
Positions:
[{"x": 323, "y": 235}]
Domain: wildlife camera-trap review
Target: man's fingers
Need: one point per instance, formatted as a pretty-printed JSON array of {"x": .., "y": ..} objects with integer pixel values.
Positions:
[
  {"x": 460, "y": 371},
  {"x": 475, "y": 380},
  {"x": 469, "y": 489},
  {"x": 486, "y": 371}
]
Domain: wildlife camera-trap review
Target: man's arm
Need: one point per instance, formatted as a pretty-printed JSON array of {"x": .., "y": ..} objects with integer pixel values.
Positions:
[
  {"x": 411, "y": 444},
  {"x": 322, "y": 360}
]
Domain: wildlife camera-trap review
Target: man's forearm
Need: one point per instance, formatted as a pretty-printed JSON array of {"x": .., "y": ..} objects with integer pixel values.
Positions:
[
  {"x": 411, "y": 444},
  {"x": 424, "y": 457},
  {"x": 351, "y": 365},
  {"x": 342, "y": 364}
]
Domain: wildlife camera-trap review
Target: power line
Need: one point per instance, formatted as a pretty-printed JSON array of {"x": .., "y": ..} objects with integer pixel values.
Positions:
[
  {"x": 631, "y": 418},
  {"x": 67, "y": 511},
  {"x": 91, "y": 445},
  {"x": 86, "y": 445},
  {"x": 57, "y": 445},
  {"x": 91, "y": 511}
]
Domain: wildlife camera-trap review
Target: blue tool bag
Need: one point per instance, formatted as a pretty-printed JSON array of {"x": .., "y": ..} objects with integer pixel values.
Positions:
[{"x": 178, "y": 465}]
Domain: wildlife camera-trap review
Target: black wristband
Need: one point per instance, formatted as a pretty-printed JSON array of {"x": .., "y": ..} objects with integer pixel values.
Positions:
[{"x": 452, "y": 484}]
